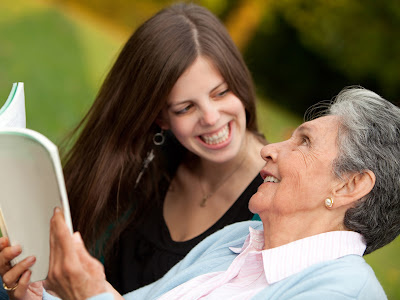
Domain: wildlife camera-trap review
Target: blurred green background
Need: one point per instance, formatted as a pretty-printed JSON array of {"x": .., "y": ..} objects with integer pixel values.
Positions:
[{"x": 299, "y": 52}]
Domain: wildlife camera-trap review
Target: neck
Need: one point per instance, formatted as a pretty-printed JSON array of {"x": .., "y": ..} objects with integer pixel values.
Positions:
[
  {"x": 213, "y": 172},
  {"x": 248, "y": 158},
  {"x": 281, "y": 230}
]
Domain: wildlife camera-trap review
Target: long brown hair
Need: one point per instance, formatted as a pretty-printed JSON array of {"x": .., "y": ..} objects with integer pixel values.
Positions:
[{"x": 117, "y": 132}]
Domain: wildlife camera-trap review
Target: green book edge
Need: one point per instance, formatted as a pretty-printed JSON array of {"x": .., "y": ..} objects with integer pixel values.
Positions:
[{"x": 10, "y": 98}]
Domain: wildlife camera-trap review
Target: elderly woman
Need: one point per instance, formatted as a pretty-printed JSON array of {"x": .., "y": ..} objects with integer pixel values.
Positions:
[{"x": 330, "y": 195}]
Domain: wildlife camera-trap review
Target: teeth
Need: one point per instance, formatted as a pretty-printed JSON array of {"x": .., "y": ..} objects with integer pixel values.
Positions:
[
  {"x": 271, "y": 179},
  {"x": 216, "y": 138}
]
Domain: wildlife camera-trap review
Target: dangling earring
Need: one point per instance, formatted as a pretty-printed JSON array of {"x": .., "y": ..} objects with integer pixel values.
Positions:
[
  {"x": 149, "y": 157},
  {"x": 159, "y": 138},
  {"x": 328, "y": 202}
]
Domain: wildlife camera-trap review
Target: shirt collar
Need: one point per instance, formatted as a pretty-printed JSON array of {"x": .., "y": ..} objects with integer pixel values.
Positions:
[
  {"x": 255, "y": 240},
  {"x": 286, "y": 260}
]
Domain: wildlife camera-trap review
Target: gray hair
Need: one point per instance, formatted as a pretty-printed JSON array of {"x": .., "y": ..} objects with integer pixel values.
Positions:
[{"x": 369, "y": 139}]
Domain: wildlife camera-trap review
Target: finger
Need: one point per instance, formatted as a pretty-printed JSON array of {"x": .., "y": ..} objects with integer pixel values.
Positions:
[
  {"x": 4, "y": 242},
  {"x": 6, "y": 255},
  {"x": 35, "y": 289},
  {"x": 59, "y": 230},
  {"x": 23, "y": 284},
  {"x": 60, "y": 237},
  {"x": 61, "y": 247},
  {"x": 53, "y": 248},
  {"x": 79, "y": 244},
  {"x": 13, "y": 275},
  {"x": 9, "y": 253},
  {"x": 91, "y": 264},
  {"x": 80, "y": 249}
]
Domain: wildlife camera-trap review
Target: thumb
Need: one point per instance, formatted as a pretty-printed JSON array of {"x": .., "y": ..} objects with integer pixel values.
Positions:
[
  {"x": 79, "y": 245},
  {"x": 81, "y": 251},
  {"x": 77, "y": 238}
]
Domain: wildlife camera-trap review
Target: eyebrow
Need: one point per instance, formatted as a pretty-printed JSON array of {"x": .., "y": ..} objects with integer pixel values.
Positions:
[
  {"x": 304, "y": 128},
  {"x": 222, "y": 83}
]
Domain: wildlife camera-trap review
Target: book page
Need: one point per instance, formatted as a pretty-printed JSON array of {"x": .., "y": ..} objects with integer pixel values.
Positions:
[{"x": 12, "y": 113}]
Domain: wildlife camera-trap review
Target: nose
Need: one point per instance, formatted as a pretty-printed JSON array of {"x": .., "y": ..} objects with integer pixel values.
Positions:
[
  {"x": 210, "y": 114},
  {"x": 269, "y": 152}
]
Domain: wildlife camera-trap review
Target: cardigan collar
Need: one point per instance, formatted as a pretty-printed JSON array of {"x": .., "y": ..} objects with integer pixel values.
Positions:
[{"x": 286, "y": 260}]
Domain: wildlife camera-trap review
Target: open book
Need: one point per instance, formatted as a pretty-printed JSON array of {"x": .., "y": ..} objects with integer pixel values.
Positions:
[{"x": 31, "y": 184}]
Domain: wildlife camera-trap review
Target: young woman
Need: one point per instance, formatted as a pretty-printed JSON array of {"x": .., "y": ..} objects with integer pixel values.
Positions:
[{"x": 169, "y": 151}]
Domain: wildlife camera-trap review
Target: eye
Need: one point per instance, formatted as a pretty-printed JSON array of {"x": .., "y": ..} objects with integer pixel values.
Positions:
[
  {"x": 223, "y": 93},
  {"x": 184, "y": 110},
  {"x": 305, "y": 141}
]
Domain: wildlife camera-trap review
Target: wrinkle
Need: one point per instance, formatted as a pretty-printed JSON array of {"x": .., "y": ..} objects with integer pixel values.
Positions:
[{"x": 308, "y": 158}]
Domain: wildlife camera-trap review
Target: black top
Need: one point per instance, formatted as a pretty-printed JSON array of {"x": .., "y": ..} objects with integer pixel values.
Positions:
[{"x": 145, "y": 253}]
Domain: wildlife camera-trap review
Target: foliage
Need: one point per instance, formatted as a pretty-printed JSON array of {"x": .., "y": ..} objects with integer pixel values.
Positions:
[
  {"x": 306, "y": 51},
  {"x": 361, "y": 38},
  {"x": 60, "y": 61},
  {"x": 299, "y": 51},
  {"x": 132, "y": 13},
  {"x": 128, "y": 13}
]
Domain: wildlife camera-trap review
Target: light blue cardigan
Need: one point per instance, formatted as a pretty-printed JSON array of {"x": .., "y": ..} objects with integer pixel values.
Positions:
[{"x": 349, "y": 277}]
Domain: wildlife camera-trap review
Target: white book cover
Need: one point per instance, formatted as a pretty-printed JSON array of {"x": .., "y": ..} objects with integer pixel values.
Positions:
[{"x": 31, "y": 186}]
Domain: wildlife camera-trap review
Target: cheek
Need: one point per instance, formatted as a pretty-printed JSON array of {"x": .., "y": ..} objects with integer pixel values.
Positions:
[
  {"x": 291, "y": 188},
  {"x": 308, "y": 188},
  {"x": 181, "y": 128},
  {"x": 241, "y": 112},
  {"x": 295, "y": 185},
  {"x": 234, "y": 106},
  {"x": 293, "y": 170}
]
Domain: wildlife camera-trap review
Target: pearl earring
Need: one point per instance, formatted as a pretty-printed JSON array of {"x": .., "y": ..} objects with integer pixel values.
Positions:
[{"x": 328, "y": 202}]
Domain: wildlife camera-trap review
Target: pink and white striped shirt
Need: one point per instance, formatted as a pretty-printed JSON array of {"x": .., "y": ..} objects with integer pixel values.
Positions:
[{"x": 254, "y": 269}]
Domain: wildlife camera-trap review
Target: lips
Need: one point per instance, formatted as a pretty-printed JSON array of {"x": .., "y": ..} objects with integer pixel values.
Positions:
[{"x": 268, "y": 177}]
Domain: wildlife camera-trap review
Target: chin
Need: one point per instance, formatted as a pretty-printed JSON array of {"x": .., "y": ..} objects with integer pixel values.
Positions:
[
  {"x": 258, "y": 203},
  {"x": 220, "y": 156},
  {"x": 252, "y": 206}
]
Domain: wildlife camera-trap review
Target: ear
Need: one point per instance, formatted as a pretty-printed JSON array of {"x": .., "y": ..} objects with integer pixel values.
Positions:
[
  {"x": 354, "y": 188},
  {"x": 163, "y": 121}
]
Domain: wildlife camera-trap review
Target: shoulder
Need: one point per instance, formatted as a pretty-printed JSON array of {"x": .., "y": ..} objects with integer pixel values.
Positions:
[
  {"x": 347, "y": 278},
  {"x": 356, "y": 278}
]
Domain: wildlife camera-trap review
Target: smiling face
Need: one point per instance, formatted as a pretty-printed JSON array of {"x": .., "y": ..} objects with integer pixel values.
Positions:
[
  {"x": 204, "y": 115},
  {"x": 298, "y": 173}
]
